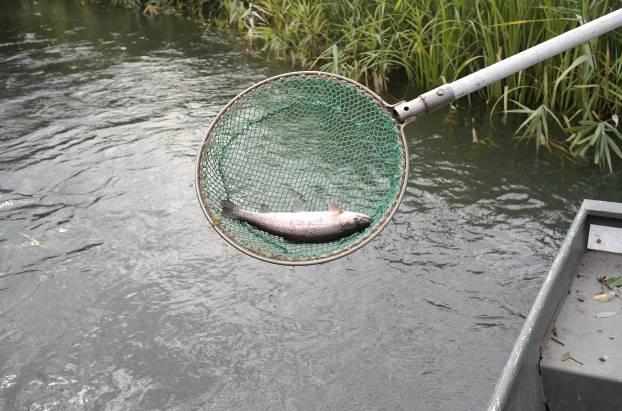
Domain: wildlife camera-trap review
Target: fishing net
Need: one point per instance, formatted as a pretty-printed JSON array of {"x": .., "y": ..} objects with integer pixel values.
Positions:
[{"x": 311, "y": 138}]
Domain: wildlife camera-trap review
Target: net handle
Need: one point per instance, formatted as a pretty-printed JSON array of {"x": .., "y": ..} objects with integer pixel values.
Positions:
[{"x": 446, "y": 94}]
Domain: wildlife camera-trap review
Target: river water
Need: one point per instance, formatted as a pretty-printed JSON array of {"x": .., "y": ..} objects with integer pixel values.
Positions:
[{"x": 115, "y": 293}]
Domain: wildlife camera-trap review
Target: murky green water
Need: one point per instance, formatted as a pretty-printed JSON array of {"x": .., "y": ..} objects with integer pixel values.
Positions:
[{"x": 116, "y": 294}]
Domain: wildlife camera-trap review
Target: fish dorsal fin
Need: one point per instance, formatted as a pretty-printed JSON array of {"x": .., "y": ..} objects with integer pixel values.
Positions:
[
  {"x": 297, "y": 206},
  {"x": 264, "y": 208},
  {"x": 334, "y": 208}
]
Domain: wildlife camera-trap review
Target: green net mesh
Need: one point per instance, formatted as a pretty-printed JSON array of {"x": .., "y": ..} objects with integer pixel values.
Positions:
[{"x": 307, "y": 138}]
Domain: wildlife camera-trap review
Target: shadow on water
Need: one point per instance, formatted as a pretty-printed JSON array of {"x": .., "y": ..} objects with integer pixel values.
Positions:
[{"x": 115, "y": 293}]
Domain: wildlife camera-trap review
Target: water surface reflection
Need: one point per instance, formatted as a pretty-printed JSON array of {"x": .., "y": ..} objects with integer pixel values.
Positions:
[{"x": 115, "y": 293}]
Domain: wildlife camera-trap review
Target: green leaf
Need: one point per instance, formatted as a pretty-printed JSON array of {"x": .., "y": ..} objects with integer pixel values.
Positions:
[
  {"x": 614, "y": 282},
  {"x": 564, "y": 75},
  {"x": 565, "y": 356}
]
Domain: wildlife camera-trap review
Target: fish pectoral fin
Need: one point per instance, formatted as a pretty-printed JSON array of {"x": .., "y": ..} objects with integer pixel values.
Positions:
[
  {"x": 264, "y": 208},
  {"x": 334, "y": 208},
  {"x": 297, "y": 207}
]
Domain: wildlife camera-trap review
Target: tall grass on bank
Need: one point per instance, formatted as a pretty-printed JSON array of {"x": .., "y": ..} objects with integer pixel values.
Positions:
[
  {"x": 570, "y": 102},
  {"x": 197, "y": 9}
]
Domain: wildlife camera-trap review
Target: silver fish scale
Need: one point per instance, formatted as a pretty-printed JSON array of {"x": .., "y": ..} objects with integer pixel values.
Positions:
[{"x": 305, "y": 226}]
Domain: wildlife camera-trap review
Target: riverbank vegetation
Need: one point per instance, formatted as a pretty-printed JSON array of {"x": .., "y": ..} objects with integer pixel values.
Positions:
[{"x": 571, "y": 102}]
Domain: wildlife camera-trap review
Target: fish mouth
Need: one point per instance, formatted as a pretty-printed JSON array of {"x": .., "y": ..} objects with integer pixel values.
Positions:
[{"x": 365, "y": 220}]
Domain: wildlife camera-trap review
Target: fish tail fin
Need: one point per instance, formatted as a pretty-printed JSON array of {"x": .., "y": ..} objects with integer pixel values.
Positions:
[{"x": 230, "y": 210}]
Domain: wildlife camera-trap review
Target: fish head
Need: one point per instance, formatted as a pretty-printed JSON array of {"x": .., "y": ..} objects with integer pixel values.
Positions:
[
  {"x": 353, "y": 222},
  {"x": 361, "y": 221}
]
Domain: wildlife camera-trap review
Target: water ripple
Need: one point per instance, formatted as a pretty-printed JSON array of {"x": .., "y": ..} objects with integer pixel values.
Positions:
[{"x": 116, "y": 294}]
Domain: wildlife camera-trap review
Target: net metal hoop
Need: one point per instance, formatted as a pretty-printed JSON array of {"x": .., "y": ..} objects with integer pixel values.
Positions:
[{"x": 211, "y": 208}]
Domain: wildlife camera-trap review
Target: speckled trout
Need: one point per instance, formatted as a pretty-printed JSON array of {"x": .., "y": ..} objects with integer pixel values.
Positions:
[{"x": 301, "y": 226}]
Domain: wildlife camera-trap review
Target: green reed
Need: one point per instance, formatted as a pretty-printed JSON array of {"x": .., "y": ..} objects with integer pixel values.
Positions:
[
  {"x": 569, "y": 102},
  {"x": 198, "y": 9}
]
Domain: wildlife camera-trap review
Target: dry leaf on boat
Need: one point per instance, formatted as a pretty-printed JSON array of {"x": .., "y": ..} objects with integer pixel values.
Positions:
[{"x": 604, "y": 297}]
